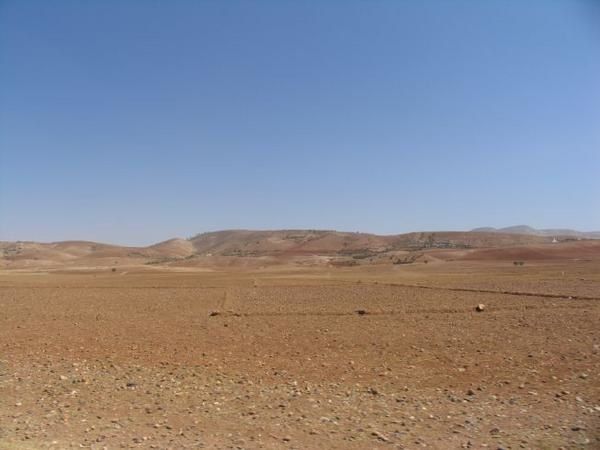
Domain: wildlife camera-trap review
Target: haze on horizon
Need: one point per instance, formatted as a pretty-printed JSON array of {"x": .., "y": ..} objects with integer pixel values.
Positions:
[{"x": 134, "y": 122}]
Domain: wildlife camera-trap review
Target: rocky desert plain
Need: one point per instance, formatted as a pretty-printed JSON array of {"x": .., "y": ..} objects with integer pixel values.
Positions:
[{"x": 302, "y": 339}]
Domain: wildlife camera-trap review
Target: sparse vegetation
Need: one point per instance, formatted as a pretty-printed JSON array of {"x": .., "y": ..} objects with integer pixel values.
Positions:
[
  {"x": 409, "y": 259},
  {"x": 344, "y": 263},
  {"x": 363, "y": 255},
  {"x": 168, "y": 259}
]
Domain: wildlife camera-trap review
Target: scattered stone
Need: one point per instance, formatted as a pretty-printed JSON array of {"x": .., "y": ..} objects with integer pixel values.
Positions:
[
  {"x": 480, "y": 307},
  {"x": 379, "y": 436},
  {"x": 160, "y": 398}
]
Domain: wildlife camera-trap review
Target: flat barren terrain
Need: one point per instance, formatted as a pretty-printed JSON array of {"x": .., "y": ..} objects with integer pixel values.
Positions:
[{"x": 372, "y": 356}]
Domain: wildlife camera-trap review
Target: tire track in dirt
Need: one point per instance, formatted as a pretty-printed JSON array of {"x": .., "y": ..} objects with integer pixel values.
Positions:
[
  {"x": 391, "y": 312},
  {"x": 404, "y": 285},
  {"x": 226, "y": 299},
  {"x": 492, "y": 291}
]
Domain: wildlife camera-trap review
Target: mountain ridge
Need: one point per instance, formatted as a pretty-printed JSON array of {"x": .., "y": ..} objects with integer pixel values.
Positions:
[
  {"x": 309, "y": 245},
  {"x": 548, "y": 232}
]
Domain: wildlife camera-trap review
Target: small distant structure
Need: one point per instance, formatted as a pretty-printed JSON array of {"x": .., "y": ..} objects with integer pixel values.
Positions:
[{"x": 554, "y": 240}]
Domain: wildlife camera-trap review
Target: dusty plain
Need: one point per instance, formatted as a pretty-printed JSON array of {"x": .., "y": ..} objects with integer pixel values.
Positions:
[{"x": 372, "y": 356}]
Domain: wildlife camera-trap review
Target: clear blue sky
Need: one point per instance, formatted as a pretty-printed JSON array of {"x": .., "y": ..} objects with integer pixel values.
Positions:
[{"x": 136, "y": 121}]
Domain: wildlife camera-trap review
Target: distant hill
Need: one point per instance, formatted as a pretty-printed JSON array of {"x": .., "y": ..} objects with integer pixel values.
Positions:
[
  {"x": 527, "y": 230},
  {"x": 243, "y": 247},
  {"x": 328, "y": 242}
]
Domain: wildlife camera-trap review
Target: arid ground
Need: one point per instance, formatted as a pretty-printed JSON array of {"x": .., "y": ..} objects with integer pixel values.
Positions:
[{"x": 372, "y": 356}]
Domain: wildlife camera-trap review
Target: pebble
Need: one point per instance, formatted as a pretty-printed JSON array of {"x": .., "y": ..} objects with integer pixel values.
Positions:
[{"x": 379, "y": 436}]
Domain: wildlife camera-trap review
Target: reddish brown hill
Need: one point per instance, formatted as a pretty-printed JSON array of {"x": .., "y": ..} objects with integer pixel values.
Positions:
[
  {"x": 258, "y": 243},
  {"x": 585, "y": 249},
  {"x": 173, "y": 248},
  {"x": 286, "y": 245}
]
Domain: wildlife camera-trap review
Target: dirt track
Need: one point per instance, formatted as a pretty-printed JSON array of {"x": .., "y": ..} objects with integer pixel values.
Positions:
[{"x": 101, "y": 360}]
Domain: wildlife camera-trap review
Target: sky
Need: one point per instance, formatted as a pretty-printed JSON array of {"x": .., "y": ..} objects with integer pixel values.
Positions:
[{"x": 133, "y": 122}]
